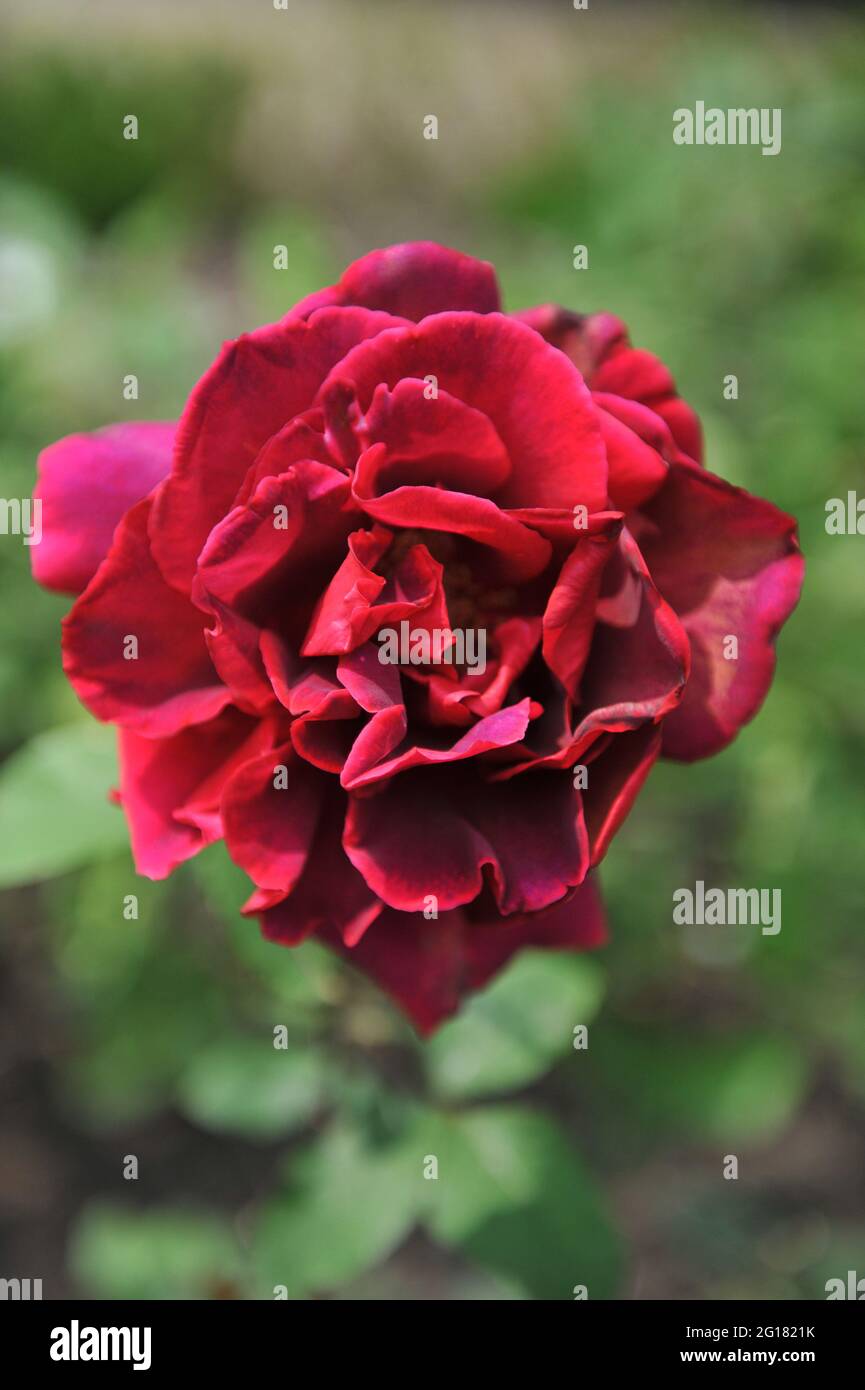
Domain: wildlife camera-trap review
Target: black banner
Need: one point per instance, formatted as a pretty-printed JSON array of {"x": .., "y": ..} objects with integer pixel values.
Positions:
[{"x": 228, "y": 1338}]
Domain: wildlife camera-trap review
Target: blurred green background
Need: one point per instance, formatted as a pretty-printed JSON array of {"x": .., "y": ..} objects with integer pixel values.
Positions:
[{"x": 302, "y": 1168}]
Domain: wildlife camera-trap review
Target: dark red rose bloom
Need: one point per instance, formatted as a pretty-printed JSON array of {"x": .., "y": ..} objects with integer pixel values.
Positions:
[{"x": 396, "y": 450}]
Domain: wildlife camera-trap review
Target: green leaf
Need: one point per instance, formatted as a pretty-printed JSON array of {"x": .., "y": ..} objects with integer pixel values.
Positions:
[
  {"x": 97, "y": 949},
  {"x": 54, "y": 809},
  {"x": 350, "y": 1202},
  {"x": 513, "y": 1031},
  {"x": 249, "y": 1087},
  {"x": 160, "y": 1253},
  {"x": 298, "y": 976},
  {"x": 737, "y": 1090},
  {"x": 175, "y": 1005},
  {"x": 759, "y": 1091},
  {"x": 515, "y": 1198}
]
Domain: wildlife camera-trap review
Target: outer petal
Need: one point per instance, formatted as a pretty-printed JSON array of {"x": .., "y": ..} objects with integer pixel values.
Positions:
[
  {"x": 598, "y": 346},
  {"x": 413, "y": 279},
  {"x": 87, "y": 482},
  {"x": 730, "y": 566},
  {"x": 637, "y": 469},
  {"x": 585, "y": 338},
  {"x": 171, "y": 683},
  {"x": 170, "y": 787},
  {"x": 614, "y": 780},
  {"x": 429, "y": 967}
]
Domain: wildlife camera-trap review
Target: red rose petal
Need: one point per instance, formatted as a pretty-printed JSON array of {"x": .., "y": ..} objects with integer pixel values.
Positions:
[
  {"x": 439, "y": 441},
  {"x": 172, "y": 682},
  {"x": 598, "y": 346},
  {"x": 330, "y": 893},
  {"x": 430, "y": 967},
  {"x": 537, "y": 403},
  {"x": 730, "y": 565},
  {"x": 614, "y": 778},
  {"x": 435, "y": 834},
  {"x": 170, "y": 787},
  {"x": 569, "y": 617},
  {"x": 413, "y": 279},
  {"x": 257, "y": 384},
  {"x": 268, "y": 828}
]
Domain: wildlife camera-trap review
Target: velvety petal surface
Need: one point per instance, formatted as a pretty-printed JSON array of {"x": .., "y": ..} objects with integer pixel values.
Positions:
[
  {"x": 170, "y": 788},
  {"x": 430, "y": 967},
  {"x": 256, "y": 386},
  {"x": 412, "y": 279},
  {"x": 537, "y": 403},
  {"x": 170, "y": 682},
  {"x": 730, "y": 565},
  {"x": 436, "y": 831}
]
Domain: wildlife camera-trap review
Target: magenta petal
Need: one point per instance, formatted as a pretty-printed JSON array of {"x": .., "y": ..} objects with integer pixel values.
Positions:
[{"x": 87, "y": 482}]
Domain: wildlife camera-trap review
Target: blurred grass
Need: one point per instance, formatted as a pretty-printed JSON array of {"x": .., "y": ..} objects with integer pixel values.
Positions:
[{"x": 118, "y": 257}]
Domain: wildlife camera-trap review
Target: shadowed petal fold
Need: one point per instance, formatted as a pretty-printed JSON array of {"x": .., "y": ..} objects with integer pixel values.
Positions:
[{"x": 430, "y": 967}]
